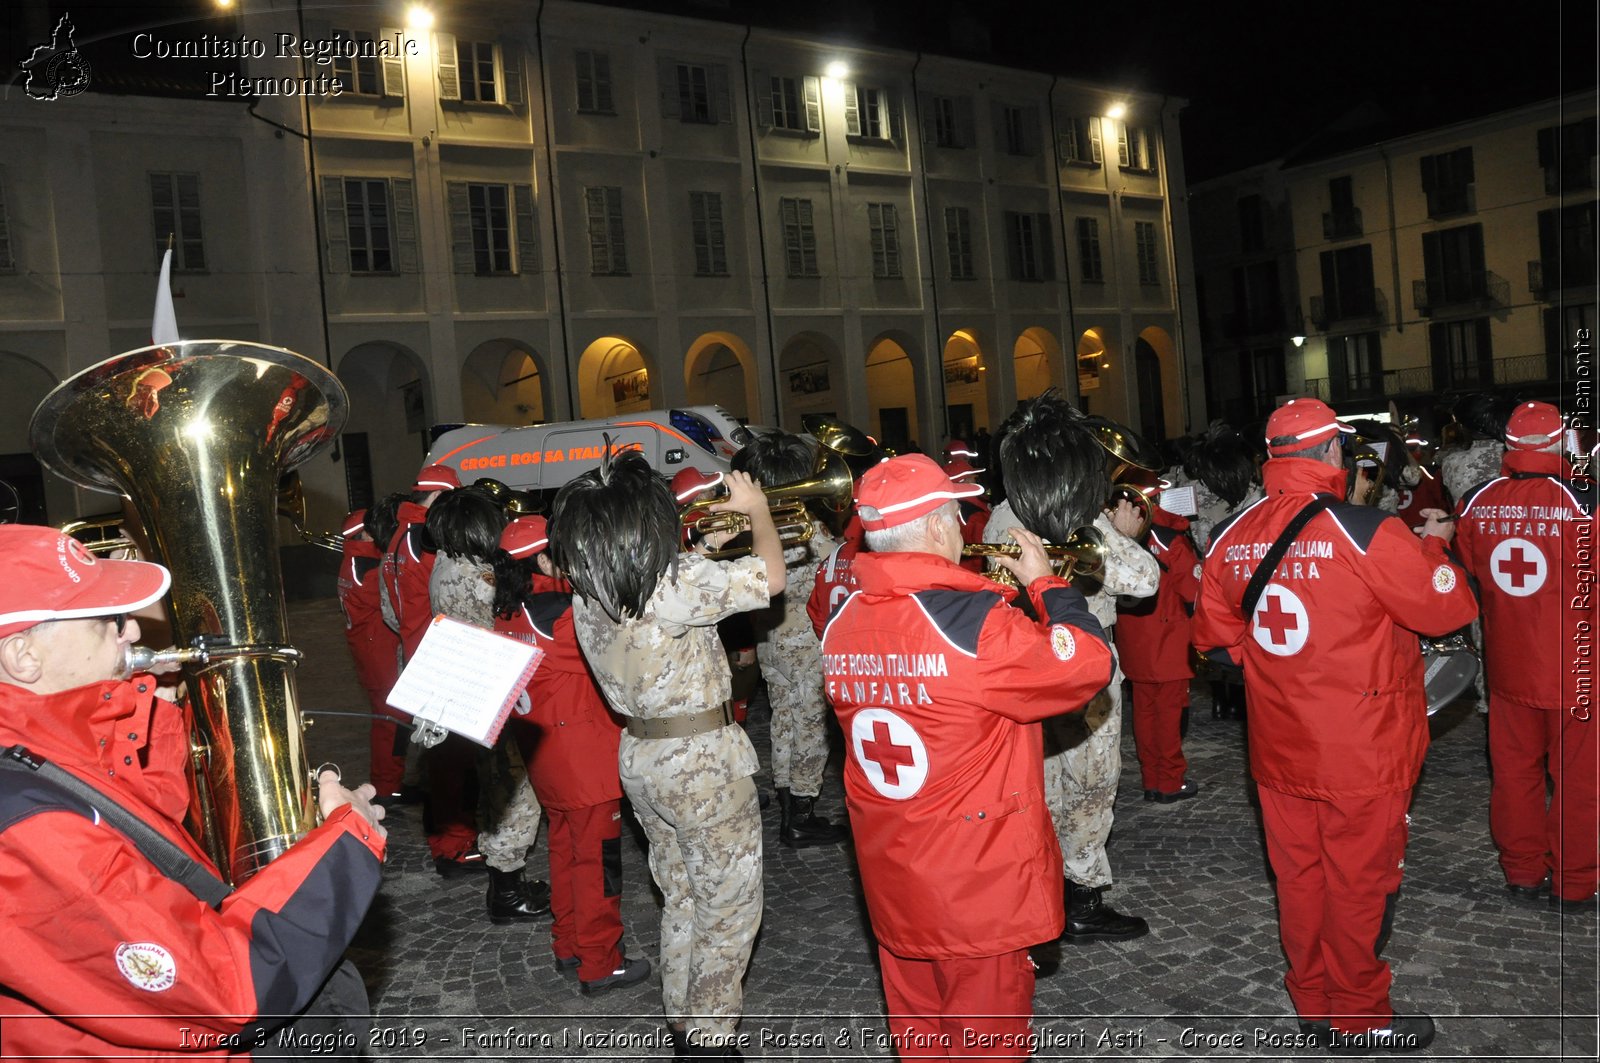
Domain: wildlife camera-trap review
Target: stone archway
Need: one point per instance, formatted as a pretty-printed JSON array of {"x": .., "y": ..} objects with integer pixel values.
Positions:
[
  {"x": 1160, "y": 383},
  {"x": 966, "y": 392},
  {"x": 614, "y": 377},
  {"x": 719, "y": 370},
  {"x": 891, "y": 370},
  {"x": 386, "y": 435},
  {"x": 40, "y": 498},
  {"x": 502, "y": 382},
  {"x": 1094, "y": 362},
  {"x": 1036, "y": 359},
  {"x": 810, "y": 379}
]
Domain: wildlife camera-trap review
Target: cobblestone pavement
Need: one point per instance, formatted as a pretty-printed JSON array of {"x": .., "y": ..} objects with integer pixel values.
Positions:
[{"x": 1504, "y": 980}]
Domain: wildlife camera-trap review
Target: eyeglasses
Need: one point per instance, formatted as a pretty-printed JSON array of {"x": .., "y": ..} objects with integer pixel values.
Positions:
[{"x": 120, "y": 621}]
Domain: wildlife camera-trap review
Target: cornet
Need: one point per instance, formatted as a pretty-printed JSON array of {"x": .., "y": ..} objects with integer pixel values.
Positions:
[
  {"x": 1084, "y": 554},
  {"x": 829, "y": 483}
]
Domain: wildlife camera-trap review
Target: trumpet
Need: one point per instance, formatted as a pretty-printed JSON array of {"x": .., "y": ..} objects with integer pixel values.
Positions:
[
  {"x": 1083, "y": 554},
  {"x": 829, "y": 483}
]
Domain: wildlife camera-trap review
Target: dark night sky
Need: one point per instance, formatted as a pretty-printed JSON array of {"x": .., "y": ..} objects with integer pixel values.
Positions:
[{"x": 1259, "y": 76}]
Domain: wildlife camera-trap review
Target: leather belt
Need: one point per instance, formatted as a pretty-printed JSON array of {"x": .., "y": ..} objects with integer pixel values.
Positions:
[{"x": 695, "y": 723}]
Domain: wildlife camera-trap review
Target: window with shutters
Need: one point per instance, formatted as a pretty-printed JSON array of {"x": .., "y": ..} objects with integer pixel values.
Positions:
[
  {"x": 1347, "y": 286},
  {"x": 1447, "y": 180},
  {"x": 870, "y": 113},
  {"x": 799, "y": 237},
  {"x": 958, "y": 242},
  {"x": 1028, "y": 252},
  {"x": 489, "y": 209},
  {"x": 1567, "y": 156},
  {"x": 1080, "y": 141},
  {"x": 475, "y": 62},
  {"x": 594, "y": 82},
  {"x": 1016, "y": 129},
  {"x": 695, "y": 100},
  {"x": 694, "y": 93},
  {"x": 1567, "y": 249},
  {"x": 1252, "y": 223},
  {"x": 480, "y": 72},
  {"x": 175, "y": 213},
  {"x": 710, "y": 246},
  {"x": 1090, "y": 266},
  {"x": 1355, "y": 365},
  {"x": 1453, "y": 265},
  {"x": 366, "y": 71},
  {"x": 1144, "y": 242},
  {"x": 492, "y": 228},
  {"x": 946, "y": 128},
  {"x": 795, "y": 104},
  {"x": 608, "y": 245},
  {"x": 884, "y": 229},
  {"x": 1461, "y": 353},
  {"x": 8, "y": 261},
  {"x": 1135, "y": 148},
  {"x": 367, "y": 223}
]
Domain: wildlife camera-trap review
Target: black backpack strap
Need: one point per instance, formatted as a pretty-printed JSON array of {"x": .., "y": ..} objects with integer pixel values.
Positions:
[
  {"x": 1269, "y": 564},
  {"x": 170, "y": 860}
]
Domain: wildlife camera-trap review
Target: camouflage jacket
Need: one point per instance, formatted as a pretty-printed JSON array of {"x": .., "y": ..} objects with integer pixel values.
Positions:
[
  {"x": 1130, "y": 569},
  {"x": 458, "y": 590},
  {"x": 1462, "y": 470},
  {"x": 786, "y": 644}
]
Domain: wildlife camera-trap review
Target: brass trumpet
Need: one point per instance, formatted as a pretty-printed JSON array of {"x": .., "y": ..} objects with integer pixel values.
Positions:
[
  {"x": 1083, "y": 554},
  {"x": 829, "y": 483}
]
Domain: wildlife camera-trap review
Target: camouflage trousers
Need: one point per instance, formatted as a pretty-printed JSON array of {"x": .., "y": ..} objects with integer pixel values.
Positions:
[
  {"x": 508, "y": 811},
  {"x": 799, "y": 733},
  {"x": 705, "y": 855},
  {"x": 1082, "y": 763}
]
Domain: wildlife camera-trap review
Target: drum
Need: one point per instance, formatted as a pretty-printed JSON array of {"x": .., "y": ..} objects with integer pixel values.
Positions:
[{"x": 1449, "y": 665}]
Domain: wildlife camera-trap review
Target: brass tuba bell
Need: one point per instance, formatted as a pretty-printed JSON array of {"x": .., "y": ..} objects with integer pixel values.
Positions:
[
  {"x": 198, "y": 435},
  {"x": 829, "y": 484},
  {"x": 1134, "y": 467}
]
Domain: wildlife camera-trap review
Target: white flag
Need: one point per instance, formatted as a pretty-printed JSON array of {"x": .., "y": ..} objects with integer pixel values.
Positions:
[{"x": 164, "y": 323}]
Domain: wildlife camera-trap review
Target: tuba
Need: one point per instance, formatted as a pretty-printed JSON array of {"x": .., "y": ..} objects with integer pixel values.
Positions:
[
  {"x": 1134, "y": 467},
  {"x": 198, "y": 435},
  {"x": 829, "y": 484}
]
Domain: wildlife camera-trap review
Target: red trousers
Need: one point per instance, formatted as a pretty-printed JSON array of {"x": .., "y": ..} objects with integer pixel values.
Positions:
[
  {"x": 586, "y": 886},
  {"x": 1535, "y": 833},
  {"x": 980, "y": 1006},
  {"x": 452, "y": 829},
  {"x": 1157, "y": 716},
  {"x": 388, "y": 745},
  {"x": 1339, "y": 865}
]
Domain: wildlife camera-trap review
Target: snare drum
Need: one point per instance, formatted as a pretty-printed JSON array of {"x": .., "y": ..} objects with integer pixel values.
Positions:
[{"x": 1449, "y": 665}]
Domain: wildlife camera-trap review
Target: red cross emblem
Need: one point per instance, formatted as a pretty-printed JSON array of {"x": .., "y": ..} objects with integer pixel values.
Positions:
[
  {"x": 889, "y": 752},
  {"x": 1280, "y": 623},
  {"x": 1518, "y": 567}
]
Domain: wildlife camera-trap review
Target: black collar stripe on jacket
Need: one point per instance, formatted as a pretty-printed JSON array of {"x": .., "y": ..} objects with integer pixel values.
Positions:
[{"x": 957, "y": 616}]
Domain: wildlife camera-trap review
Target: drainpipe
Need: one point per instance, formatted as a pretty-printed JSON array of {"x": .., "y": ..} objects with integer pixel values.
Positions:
[
  {"x": 571, "y": 373},
  {"x": 761, "y": 227},
  {"x": 1172, "y": 271},
  {"x": 1394, "y": 239},
  {"x": 943, "y": 413},
  {"x": 1066, "y": 259}
]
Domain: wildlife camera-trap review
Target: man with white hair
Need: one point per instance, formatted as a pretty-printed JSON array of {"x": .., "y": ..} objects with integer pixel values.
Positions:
[
  {"x": 939, "y": 685},
  {"x": 1519, "y": 534}
]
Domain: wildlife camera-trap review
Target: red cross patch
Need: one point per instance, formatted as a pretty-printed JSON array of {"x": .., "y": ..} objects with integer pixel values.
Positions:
[
  {"x": 1280, "y": 623},
  {"x": 1518, "y": 567},
  {"x": 889, "y": 752}
]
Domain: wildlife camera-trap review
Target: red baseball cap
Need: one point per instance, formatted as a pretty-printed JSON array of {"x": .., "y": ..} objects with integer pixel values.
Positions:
[
  {"x": 51, "y": 576},
  {"x": 355, "y": 523},
  {"x": 525, "y": 536},
  {"x": 1533, "y": 426},
  {"x": 902, "y": 489},
  {"x": 1306, "y": 422},
  {"x": 957, "y": 448},
  {"x": 687, "y": 484},
  {"x": 436, "y": 478}
]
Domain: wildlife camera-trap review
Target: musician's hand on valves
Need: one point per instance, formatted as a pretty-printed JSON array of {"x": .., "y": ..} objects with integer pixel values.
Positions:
[
  {"x": 332, "y": 796},
  {"x": 1437, "y": 522},
  {"x": 744, "y": 496},
  {"x": 1033, "y": 563},
  {"x": 1126, "y": 518}
]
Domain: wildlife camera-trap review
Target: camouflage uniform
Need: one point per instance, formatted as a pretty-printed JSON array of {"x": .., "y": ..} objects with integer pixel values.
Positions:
[
  {"x": 791, "y": 661},
  {"x": 1213, "y": 510},
  {"x": 694, "y": 797},
  {"x": 508, "y": 811},
  {"x": 1083, "y": 751},
  {"x": 1461, "y": 471}
]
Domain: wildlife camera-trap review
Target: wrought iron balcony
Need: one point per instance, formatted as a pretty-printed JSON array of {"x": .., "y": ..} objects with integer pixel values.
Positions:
[
  {"x": 1365, "y": 304},
  {"x": 1479, "y": 289},
  {"x": 1553, "y": 276},
  {"x": 1341, "y": 224},
  {"x": 1525, "y": 369}
]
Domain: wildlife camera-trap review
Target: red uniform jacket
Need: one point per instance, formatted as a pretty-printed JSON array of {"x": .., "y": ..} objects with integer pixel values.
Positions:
[
  {"x": 373, "y": 645},
  {"x": 1153, "y": 633},
  {"x": 835, "y": 580},
  {"x": 1428, "y": 494},
  {"x": 407, "y": 565},
  {"x": 1518, "y": 535},
  {"x": 1332, "y": 664},
  {"x": 574, "y": 763},
  {"x": 100, "y": 953},
  {"x": 940, "y": 685}
]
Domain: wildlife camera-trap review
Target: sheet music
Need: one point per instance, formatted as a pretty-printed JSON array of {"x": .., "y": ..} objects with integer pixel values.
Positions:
[
  {"x": 1179, "y": 500},
  {"x": 465, "y": 679}
]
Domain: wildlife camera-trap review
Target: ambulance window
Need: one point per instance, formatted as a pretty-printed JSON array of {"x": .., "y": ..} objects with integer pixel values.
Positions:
[{"x": 697, "y": 428}]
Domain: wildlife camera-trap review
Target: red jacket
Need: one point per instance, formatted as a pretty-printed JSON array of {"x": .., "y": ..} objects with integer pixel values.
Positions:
[
  {"x": 407, "y": 565},
  {"x": 1331, "y": 659},
  {"x": 373, "y": 645},
  {"x": 1519, "y": 537},
  {"x": 939, "y": 686},
  {"x": 1428, "y": 494},
  {"x": 100, "y": 953},
  {"x": 574, "y": 762},
  {"x": 835, "y": 580},
  {"x": 1153, "y": 633}
]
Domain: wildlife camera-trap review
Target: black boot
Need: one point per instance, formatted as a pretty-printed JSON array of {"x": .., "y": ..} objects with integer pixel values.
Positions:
[
  {"x": 801, "y": 827},
  {"x": 512, "y": 900},
  {"x": 1090, "y": 919}
]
